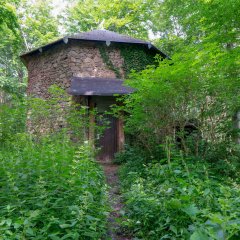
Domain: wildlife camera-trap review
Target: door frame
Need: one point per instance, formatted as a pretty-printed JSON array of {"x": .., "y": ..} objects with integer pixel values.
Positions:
[{"x": 92, "y": 120}]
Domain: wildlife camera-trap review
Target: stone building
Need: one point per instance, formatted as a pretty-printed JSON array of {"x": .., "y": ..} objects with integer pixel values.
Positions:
[{"x": 90, "y": 66}]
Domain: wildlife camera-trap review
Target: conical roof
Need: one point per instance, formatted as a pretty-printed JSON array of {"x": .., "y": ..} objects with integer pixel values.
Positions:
[
  {"x": 105, "y": 35},
  {"x": 98, "y": 36}
]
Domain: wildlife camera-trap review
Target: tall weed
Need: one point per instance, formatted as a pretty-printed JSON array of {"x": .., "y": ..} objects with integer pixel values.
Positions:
[
  {"x": 185, "y": 201},
  {"x": 50, "y": 185},
  {"x": 50, "y": 190}
]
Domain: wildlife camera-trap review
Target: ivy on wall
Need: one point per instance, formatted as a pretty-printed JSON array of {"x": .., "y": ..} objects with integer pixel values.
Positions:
[
  {"x": 135, "y": 58},
  {"x": 106, "y": 59}
]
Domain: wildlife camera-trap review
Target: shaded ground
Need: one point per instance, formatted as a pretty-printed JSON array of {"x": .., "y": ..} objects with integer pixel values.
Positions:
[{"x": 114, "y": 230}]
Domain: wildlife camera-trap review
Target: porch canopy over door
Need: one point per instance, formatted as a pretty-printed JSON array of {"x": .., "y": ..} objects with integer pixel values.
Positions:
[
  {"x": 100, "y": 93},
  {"x": 91, "y": 86}
]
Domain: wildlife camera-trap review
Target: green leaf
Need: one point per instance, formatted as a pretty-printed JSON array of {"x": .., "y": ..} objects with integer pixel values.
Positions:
[
  {"x": 34, "y": 214},
  {"x": 206, "y": 191},
  {"x": 90, "y": 234},
  {"x": 177, "y": 171},
  {"x": 16, "y": 225},
  {"x": 9, "y": 222},
  {"x": 173, "y": 229},
  {"x": 30, "y": 231},
  {"x": 199, "y": 235},
  {"x": 65, "y": 225},
  {"x": 191, "y": 210}
]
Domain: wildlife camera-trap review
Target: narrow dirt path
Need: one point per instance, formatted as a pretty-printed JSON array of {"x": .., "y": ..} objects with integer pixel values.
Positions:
[{"x": 114, "y": 228}]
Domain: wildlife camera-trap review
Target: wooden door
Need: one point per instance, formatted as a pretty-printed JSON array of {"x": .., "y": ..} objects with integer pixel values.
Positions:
[{"x": 108, "y": 140}]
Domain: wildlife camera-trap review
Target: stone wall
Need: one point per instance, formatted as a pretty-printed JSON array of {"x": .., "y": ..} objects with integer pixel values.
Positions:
[
  {"x": 86, "y": 61},
  {"x": 48, "y": 68},
  {"x": 58, "y": 64}
]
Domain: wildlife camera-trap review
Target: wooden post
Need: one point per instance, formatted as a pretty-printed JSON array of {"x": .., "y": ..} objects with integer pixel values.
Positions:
[
  {"x": 91, "y": 135},
  {"x": 120, "y": 135}
]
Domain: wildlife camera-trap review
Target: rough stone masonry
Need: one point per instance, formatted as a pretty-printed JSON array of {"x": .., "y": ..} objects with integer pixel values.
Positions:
[{"x": 58, "y": 64}]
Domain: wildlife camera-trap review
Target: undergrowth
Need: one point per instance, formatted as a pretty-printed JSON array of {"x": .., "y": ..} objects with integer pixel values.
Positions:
[
  {"x": 50, "y": 190},
  {"x": 50, "y": 185},
  {"x": 178, "y": 199}
]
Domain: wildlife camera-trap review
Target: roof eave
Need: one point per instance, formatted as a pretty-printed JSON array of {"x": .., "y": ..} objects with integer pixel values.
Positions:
[
  {"x": 42, "y": 47},
  {"x": 65, "y": 40}
]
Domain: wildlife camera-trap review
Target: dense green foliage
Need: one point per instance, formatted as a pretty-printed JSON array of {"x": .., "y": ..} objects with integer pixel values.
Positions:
[
  {"x": 198, "y": 23},
  {"x": 179, "y": 199},
  {"x": 50, "y": 190},
  {"x": 24, "y": 25},
  {"x": 12, "y": 119},
  {"x": 183, "y": 183},
  {"x": 11, "y": 72},
  {"x": 135, "y": 58},
  {"x": 171, "y": 99},
  {"x": 7, "y": 15},
  {"x": 180, "y": 177},
  {"x": 38, "y": 26},
  {"x": 51, "y": 186},
  {"x": 192, "y": 98},
  {"x": 129, "y": 17}
]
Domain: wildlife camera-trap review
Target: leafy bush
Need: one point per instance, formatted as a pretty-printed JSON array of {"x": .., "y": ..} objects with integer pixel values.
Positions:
[
  {"x": 50, "y": 190},
  {"x": 12, "y": 118},
  {"x": 131, "y": 155},
  {"x": 181, "y": 200}
]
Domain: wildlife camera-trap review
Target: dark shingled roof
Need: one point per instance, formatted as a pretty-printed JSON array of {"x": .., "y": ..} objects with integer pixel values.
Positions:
[
  {"x": 105, "y": 35},
  {"x": 91, "y": 86},
  {"x": 98, "y": 36}
]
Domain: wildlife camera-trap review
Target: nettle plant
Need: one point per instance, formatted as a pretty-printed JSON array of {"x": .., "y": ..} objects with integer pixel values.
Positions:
[
  {"x": 12, "y": 118},
  {"x": 57, "y": 113},
  {"x": 61, "y": 114},
  {"x": 51, "y": 190},
  {"x": 186, "y": 101},
  {"x": 51, "y": 186},
  {"x": 179, "y": 198}
]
